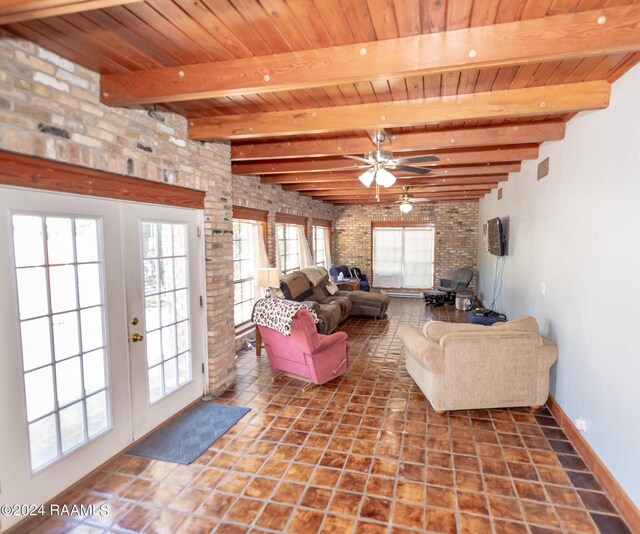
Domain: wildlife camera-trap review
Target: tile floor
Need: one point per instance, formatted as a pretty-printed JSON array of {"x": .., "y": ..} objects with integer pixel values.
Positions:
[{"x": 363, "y": 454}]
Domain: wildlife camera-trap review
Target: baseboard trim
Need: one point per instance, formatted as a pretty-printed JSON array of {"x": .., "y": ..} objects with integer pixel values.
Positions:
[{"x": 627, "y": 508}]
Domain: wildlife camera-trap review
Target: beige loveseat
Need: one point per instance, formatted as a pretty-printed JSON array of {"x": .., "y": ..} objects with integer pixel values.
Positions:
[{"x": 460, "y": 366}]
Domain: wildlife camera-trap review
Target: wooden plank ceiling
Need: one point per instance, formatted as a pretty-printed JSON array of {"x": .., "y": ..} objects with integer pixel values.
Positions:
[{"x": 296, "y": 85}]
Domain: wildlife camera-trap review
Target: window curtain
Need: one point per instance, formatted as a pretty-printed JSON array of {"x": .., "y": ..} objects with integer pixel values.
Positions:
[
  {"x": 279, "y": 236},
  {"x": 403, "y": 257},
  {"x": 418, "y": 258},
  {"x": 306, "y": 259},
  {"x": 260, "y": 258},
  {"x": 327, "y": 249},
  {"x": 387, "y": 261}
]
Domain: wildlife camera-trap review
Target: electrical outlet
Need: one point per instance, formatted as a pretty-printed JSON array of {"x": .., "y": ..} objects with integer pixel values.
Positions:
[
  {"x": 543, "y": 288},
  {"x": 581, "y": 423}
]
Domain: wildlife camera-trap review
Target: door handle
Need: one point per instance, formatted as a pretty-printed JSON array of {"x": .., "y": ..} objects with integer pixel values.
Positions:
[{"x": 136, "y": 337}]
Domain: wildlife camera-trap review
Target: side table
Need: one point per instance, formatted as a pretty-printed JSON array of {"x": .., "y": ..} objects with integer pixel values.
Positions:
[{"x": 349, "y": 284}]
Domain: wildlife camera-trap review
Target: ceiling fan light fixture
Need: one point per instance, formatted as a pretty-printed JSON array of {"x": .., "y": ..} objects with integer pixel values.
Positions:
[
  {"x": 406, "y": 206},
  {"x": 385, "y": 178},
  {"x": 367, "y": 177}
]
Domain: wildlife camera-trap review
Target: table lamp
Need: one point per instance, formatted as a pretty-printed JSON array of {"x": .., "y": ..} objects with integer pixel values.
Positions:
[{"x": 267, "y": 277}]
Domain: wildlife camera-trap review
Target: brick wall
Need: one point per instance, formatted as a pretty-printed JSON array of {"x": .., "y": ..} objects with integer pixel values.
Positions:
[
  {"x": 456, "y": 233},
  {"x": 49, "y": 107},
  {"x": 249, "y": 192}
]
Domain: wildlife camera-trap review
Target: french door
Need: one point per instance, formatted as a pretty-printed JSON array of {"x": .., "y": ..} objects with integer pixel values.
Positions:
[
  {"x": 164, "y": 311},
  {"x": 102, "y": 332}
]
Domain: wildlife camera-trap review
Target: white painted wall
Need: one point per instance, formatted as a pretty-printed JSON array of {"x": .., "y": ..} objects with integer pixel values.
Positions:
[{"x": 578, "y": 232}]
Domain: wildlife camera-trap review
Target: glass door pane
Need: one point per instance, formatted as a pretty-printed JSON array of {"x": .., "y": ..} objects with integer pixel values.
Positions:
[
  {"x": 58, "y": 270},
  {"x": 166, "y": 307}
]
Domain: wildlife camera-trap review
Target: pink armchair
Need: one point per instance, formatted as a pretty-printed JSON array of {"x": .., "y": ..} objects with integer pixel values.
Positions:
[{"x": 310, "y": 356}]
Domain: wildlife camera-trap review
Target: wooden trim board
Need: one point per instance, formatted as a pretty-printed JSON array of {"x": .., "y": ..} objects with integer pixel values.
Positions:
[
  {"x": 286, "y": 218},
  {"x": 250, "y": 214},
  {"x": 628, "y": 510},
  {"x": 36, "y": 173}
]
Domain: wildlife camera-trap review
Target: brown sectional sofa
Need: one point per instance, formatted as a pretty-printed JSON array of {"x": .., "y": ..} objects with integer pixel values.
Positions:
[{"x": 331, "y": 309}]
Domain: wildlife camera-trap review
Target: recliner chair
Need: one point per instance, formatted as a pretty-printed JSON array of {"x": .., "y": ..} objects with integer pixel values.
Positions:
[
  {"x": 306, "y": 354},
  {"x": 460, "y": 280}
]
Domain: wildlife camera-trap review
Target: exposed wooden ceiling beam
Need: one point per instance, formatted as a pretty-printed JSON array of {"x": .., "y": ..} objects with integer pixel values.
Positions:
[
  {"x": 452, "y": 198},
  {"x": 392, "y": 199},
  {"x": 12, "y": 11},
  {"x": 383, "y": 194},
  {"x": 412, "y": 182},
  {"x": 513, "y": 153},
  {"x": 312, "y": 178},
  {"x": 512, "y": 134},
  {"x": 386, "y": 192},
  {"x": 550, "y": 38},
  {"x": 529, "y": 101}
]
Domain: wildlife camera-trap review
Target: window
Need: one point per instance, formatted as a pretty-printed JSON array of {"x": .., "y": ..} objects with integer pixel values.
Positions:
[
  {"x": 403, "y": 256},
  {"x": 319, "y": 246},
  {"x": 166, "y": 307},
  {"x": 58, "y": 269},
  {"x": 288, "y": 247},
  {"x": 243, "y": 271}
]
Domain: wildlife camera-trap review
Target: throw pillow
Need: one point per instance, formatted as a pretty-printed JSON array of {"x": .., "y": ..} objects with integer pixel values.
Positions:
[{"x": 332, "y": 288}]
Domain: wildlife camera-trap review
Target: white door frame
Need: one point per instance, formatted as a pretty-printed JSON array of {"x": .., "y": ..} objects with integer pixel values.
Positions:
[{"x": 18, "y": 485}]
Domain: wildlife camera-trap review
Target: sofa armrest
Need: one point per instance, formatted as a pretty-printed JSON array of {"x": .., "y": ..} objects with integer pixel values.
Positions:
[
  {"x": 327, "y": 342},
  {"x": 548, "y": 353},
  {"x": 311, "y": 304},
  {"x": 428, "y": 353}
]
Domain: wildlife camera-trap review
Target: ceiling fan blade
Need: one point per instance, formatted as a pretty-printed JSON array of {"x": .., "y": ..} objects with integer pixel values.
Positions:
[
  {"x": 358, "y": 158},
  {"x": 416, "y": 159},
  {"x": 421, "y": 200},
  {"x": 409, "y": 168}
]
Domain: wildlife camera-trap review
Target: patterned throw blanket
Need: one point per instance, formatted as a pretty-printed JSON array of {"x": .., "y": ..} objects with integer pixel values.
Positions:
[{"x": 277, "y": 314}]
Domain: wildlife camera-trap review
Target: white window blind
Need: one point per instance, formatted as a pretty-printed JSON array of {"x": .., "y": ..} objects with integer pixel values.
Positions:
[{"x": 403, "y": 257}]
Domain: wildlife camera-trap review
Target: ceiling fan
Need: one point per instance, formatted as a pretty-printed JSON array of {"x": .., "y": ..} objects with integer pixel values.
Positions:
[
  {"x": 382, "y": 161},
  {"x": 407, "y": 200}
]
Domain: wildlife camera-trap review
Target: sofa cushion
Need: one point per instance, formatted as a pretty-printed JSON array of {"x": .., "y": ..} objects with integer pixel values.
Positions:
[
  {"x": 330, "y": 317},
  {"x": 524, "y": 323},
  {"x": 315, "y": 275},
  {"x": 368, "y": 304},
  {"x": 295, "y": 286},
  {"x": 344, "y": 303},
  {"x": 320, "y": 289},
  {"x": 434, "y": 330}
]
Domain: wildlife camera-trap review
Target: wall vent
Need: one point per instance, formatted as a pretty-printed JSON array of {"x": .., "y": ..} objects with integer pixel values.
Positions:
[{"x": 543, "y": 168}]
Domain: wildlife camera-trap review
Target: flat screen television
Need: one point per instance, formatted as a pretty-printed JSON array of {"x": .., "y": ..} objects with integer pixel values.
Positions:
[{"x": 495, "y": 237}]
